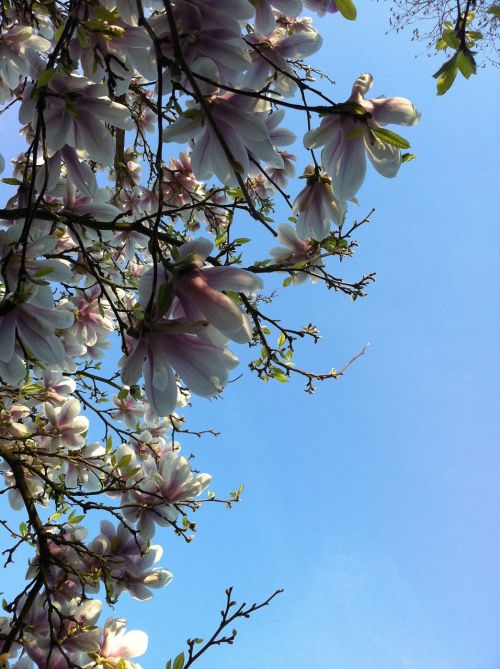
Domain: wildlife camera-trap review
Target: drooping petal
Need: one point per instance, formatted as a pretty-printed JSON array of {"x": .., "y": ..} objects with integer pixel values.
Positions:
[
  {"x": 231, "y": 278},
  {"x": 132, "y": 364},
  {"x": 346, "y": 165},
  {"x": 385, "y": 158}
]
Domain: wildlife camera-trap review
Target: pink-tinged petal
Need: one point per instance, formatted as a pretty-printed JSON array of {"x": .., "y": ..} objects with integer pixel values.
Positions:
[
  {"x": 201, "y": 163},
  {"x": 50, "y": 412},
  {"x": 399, "y": 111},
  {"x": 58, "y": 124},
  {"x": 80, "y": 425},
  {"x": 13, "y": 371},
  {"x": 184, "y": 129},
  {"x": 162, "y": 397},
  {"x": 282, "y": 137},
  {"x": 49, "y": 172},
  {"x": 205, "y": 67},
  {"x": 385, "y": 158},
  {"x": 7, "y": 336},
  {"x": 222, "y": 168},
  {"x": 245, "y": 124},
  {"x": 231, "y": 278},
  {"x": 202, "y": 366},
  {"x": 69, "y": 411},
  {"x": 79, "y": 172},
  {"x": 95, "y": 139},
  {"x": 112, "y": 113},
  {"x": 27, "y": 110},
  {"x": 346, "y": 166},
  {"x": 53, "y": 319},
  {"x": 240, "y": 9},
  {"x": 287, "y": 235},
  {"x": 100, "y": 211},
  {"x": 232, "y": 56},
  {"x": 89, "y": 611},
  {"x": 266, "y": 152},
  {"x": 132, "y": 364},
  {"x": 218, "y": 309},
  {"x": 133, "y": 644},
  {"x": 300, "y": 45},
  {"x": 200, "y": 247},
  {"x": 264, "y": 21},
  {"x": 325, "y": 134},
  {"x": 46, "y": 347},
  {"x": 288, "y": 7}
]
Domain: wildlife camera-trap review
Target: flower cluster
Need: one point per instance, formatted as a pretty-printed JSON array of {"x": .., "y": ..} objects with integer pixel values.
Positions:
[{"x": 153, "y": 131}]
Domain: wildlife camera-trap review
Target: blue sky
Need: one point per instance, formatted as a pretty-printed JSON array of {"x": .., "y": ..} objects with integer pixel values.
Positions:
[{"x": 374, "y": 503}]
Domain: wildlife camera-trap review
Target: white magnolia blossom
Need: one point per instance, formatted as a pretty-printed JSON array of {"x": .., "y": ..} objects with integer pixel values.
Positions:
[
  {"x": 347, "y": 140},
  {"x": 75, "y": 113},
  {"x": 118, "y": 645},
  {"x": 316, "y": 207}
]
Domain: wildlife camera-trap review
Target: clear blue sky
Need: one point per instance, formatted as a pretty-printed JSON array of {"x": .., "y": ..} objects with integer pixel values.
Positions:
[{"x": 374, "y": 503}]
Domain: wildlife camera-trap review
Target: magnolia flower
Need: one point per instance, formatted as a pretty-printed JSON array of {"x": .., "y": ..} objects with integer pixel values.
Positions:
[
  {"x": 57, "y": 387},
  {"x": 118, "y": 645},
  {"x": 197, "y": 293},
  {"x": 316, "y": 207},
  {"x": 203, "y": 366},
  {"x": 243, "y": 133},
  {"x": 347, "y": 138},
  {"x": 271, "y": 55},
  {"x": 297, "y": 251},
  {"x": 128, "y": 410},
  {"x": 265, "y": 20},
  {"x": 168, "y": 483},
  {"x": 210, "y": 33},
  {"x": 76, "y": 111},
  {"x": 34, "y": 325},
  {"x": 65, "y": 427},
  {"x": 18, "y": 47}
]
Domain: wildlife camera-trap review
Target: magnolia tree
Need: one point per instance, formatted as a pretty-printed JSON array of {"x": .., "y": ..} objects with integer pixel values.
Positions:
[{"x": 152, "y": 130}]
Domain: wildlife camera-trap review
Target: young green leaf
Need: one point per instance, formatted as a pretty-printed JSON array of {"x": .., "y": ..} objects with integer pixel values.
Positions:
[
  {"x": 466, "y": 63},
  {"x": 389, "y": 137},
  {"x": 179, "y": 661},
  {"x": 347, "y": 8}
]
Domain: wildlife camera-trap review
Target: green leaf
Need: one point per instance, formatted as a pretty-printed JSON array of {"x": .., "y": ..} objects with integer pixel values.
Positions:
[
  {"x": 287, "y": 281},
  {"x": 466, "y": 64},
  {"x": 123, "y": 393},
  {"x": 165, "y": 297},
  {"x": 124, "y": 461},
  {"x": 105, "y": 14},
  {"x": 389, "y": 137},
  {"x": 179, "y": 661},
  {"x": 446, "y": 75},
  {"x": 281, "y": 339},
  {"x": 169, "y": 665},
  {"x": 43, "y": 272},
  {"x": 495, "y": 10},
  {"x": 46, "y": 77},
  {"x": 406, "y": 157},
  {"x": 347, "y": 9},
  {"x": 23, "y": 528},
  {"x": 11, "y": 181},
  {"x": 451, "y": 38}
]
